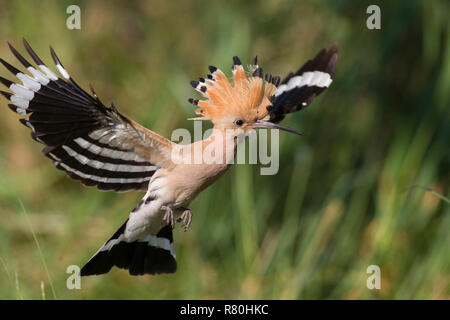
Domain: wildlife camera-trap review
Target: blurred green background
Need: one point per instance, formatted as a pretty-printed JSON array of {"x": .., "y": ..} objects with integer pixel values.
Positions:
[{"x": 343, "y": 198}]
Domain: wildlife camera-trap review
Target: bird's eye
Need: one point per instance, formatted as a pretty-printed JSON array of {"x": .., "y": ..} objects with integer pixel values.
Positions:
[{"x": 239, "y": 122}]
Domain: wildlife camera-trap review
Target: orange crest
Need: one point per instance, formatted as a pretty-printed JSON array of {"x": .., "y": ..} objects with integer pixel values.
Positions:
[{"x": 247, "y": 98}]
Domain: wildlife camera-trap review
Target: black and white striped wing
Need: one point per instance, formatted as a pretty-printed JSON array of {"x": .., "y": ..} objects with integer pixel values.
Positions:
[
  {"x": 298, "y": 90},
  {"x": 90, "y": 142}
]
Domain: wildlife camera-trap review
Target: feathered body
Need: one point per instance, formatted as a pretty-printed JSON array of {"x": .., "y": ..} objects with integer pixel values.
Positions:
[{"x": 100, "y": 147}]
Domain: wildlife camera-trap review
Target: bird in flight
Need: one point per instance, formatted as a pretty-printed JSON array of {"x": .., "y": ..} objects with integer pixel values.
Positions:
[{"x": 99, "y": 146}]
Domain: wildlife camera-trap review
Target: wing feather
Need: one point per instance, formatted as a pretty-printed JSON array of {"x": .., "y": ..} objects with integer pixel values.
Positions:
[
  {"x": 299, "y": 89},
  {"x": 92, "y": 143}
]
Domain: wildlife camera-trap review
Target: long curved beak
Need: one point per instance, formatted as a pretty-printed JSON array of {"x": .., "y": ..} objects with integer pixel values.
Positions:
[{"x": 270, "y": 125}]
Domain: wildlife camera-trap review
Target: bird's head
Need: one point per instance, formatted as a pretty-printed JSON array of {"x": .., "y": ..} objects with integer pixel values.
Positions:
[{"x": 240, "y": 105}]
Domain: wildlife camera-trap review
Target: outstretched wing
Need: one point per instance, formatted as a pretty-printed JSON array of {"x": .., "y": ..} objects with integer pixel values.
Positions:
[
  {"x": 90, "y": 142},
  {"x": 297, "y": 91}
]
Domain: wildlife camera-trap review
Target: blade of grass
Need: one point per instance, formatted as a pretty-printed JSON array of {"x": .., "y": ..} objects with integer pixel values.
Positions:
[
  {"x": 19, "y": 295},
  {"x": 38, "y": 247},
  {"x": 43, "y": 290},
  {"x": 441, "y": 196},
  {"x": 17, "y": 282}
]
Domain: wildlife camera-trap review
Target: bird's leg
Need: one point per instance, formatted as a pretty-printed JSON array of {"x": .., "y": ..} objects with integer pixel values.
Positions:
[
  {"x": 168, "y": 216},
  {"x": 186, "y": 216}
]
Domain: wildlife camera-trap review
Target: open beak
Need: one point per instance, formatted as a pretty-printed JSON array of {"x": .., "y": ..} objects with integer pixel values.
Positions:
[{"x": 270, "y": 125}]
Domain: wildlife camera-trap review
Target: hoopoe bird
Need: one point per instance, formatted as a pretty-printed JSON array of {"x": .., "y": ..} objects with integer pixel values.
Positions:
[{"x": 99, "y": 146}]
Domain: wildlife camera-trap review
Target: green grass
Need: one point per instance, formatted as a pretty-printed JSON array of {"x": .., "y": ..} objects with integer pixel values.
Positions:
[
  {"x": 345, "y": 196},
  {"x": 44, "y": 264},
  {"x": 437, "y": 194}
]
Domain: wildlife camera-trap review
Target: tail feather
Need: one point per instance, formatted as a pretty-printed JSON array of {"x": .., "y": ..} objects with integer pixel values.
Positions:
[{"x": 152, "y": 254}]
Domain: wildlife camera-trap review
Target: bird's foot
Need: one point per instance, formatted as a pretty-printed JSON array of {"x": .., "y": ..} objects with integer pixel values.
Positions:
[
  {"x": 186, "y": 217},
  {"x": 168, "y": 216}
]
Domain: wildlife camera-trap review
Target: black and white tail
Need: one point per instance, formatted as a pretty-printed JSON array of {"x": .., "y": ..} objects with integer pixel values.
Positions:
[
  {"x": 150, "y": 254},
  {"x": 143, "y": 244}
]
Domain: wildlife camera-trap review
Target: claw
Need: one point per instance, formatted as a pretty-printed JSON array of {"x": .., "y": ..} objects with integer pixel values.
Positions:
[
  {"x": 186, "y": 216},
  {"x": 169, "y": 216}
]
